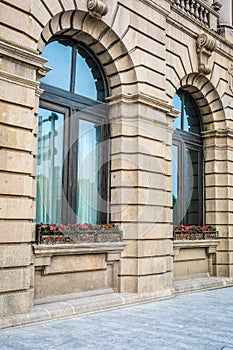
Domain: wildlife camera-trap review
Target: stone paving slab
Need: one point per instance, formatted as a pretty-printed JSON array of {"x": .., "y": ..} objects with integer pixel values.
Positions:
[{"x": 190, "y": 321}]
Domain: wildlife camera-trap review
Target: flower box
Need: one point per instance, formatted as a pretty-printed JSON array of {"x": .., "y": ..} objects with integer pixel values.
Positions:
[
  {"x": 78, "y": 233},
  {"x": 193, "y": 232}
]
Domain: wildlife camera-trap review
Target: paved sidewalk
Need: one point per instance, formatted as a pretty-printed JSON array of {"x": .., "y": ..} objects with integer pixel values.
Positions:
[{"x": 191, "y": 321}]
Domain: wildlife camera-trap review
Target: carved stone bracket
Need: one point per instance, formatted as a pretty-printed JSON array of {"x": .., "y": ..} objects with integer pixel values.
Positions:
[
  {"x": 97, "y": 8},
  {"x": 205, "y": 47}
]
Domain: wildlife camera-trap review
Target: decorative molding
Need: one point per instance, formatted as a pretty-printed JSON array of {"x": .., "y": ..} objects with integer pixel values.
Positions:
[
  {"x": 18, "y": 80},
  {"x": 97, "y": 8},
  {"x": 143, "y": 98},
  {"x": 205, "y": 47},
  {"x": 13, "y": 52}
]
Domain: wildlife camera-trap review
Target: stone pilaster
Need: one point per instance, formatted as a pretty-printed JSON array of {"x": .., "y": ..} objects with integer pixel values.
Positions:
[
  {"x": 19, "y": 94},
  {"x": 219, "y": 194},
  {"x": 141, "y": 190},
  {"x": 225, "y": 13},
  {"x": 226, "y": 20}
]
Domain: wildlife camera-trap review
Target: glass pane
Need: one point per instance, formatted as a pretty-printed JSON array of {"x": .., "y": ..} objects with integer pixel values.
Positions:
[
  {"x": 85, "y": 84},
  {"x": 191, "y": 119},
  {"x": 177, "y": 105},
  {"x": 175, "y": 184},
  {"x": 49, "y": 166},
  {"x": 59, "y": 57},
  {"x": 89, "y": 164},
  {"x": 192, "y": 188}
]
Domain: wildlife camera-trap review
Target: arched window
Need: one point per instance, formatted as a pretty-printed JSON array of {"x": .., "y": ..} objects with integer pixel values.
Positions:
[
  {"x": 72, "y": 136},
  {"x": 187, "y": 159}
]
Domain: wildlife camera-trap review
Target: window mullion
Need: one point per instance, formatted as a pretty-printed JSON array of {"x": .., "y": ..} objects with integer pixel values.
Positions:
[
  {"x": 72, "y": 171},
  {"x": 73, "y": 69}
]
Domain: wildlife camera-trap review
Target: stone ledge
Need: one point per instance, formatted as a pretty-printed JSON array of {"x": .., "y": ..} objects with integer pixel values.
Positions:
[
  {"x": 81, "y": 306},
  {"x": 79, "y": 248},
  {"x": 200, "y": 282},
  {"x": 95, "y": 301}
]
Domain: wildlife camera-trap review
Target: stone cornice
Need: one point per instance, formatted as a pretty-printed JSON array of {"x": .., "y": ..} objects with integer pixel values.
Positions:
[
  {"x": 16, "y": 79},
  {"x": 22, "y": 55},
  {"x": 145, "y": 99}
]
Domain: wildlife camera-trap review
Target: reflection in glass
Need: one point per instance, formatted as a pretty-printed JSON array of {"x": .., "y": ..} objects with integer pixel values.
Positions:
[
  {"x": 49, "y": 166},
  {"x": 177, "y": 105},
  {"x": 74, "y": 69},
  {"x": 192, "y": 187},
  {"x": 85, "y": 83},
  {"x": 175, "y": 183},
  {"x": 59, "y": 57},
  {"x": 89, "y": 164},
  {"x": 188, "y": 119},
  {"x": 187, "y": 162}
]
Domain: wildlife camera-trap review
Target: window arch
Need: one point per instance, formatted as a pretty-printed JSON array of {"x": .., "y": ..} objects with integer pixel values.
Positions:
[
  {"x": 188, "y": 164},
  {"x": 72, "y": 137}
]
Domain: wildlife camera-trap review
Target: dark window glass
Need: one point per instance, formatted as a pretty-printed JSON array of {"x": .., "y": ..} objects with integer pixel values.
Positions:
[
  {"x": 72, "y": 166},
  {"x": 175, "y": 179},
  {"x": 187, "y": 175}
]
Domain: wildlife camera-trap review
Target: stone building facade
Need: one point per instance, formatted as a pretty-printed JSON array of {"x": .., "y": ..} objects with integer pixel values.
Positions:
[{"x": 148, "y": 50}]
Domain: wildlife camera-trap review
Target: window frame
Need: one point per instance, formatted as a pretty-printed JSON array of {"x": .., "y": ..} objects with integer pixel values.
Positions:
[
  {"x": 68, "y": 103},
  {"x": 186, "y": 140}
]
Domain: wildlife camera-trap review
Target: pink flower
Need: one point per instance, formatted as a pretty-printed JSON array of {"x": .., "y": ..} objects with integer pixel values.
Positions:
[
  {"x": 85, "y": 226},
  {"x": 52, "y": 228}
]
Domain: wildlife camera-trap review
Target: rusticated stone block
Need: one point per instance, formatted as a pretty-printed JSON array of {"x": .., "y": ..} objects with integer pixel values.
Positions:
[
  {"x": 134, "y": 230},
  {"x": 18, "y": 162},
  {"x": 14, "y": 279},
  {"x": 144, "y": 266},
  {"x": 15, "y": 255},
  {"x": 143, "y": 284},
  {"x": 148, "y": 248},
  {"x": 25, "y": 96},
  {"x": 15, "y": 303},
  {"x": 17, "y": 116},
  {"x": 16, "y": 138},
  {"x": 15, "y": 184},
  {"x": 17, "y": 208},
  {"x": 16, "y": 231}
]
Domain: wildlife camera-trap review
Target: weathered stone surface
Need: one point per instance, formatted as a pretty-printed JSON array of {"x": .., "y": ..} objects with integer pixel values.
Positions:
[
  {"x": 15, "y": 255},
  {"x": 14, "y": 279},
  {"x": 16, "y": 161},
  {"x": 17, "y": 208},
  {"x": 15, "y": 303},
  {"x": 16, "y": 139},
  {"x": 16, "y": 231},
  {"x": 17, "y": 116}
]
